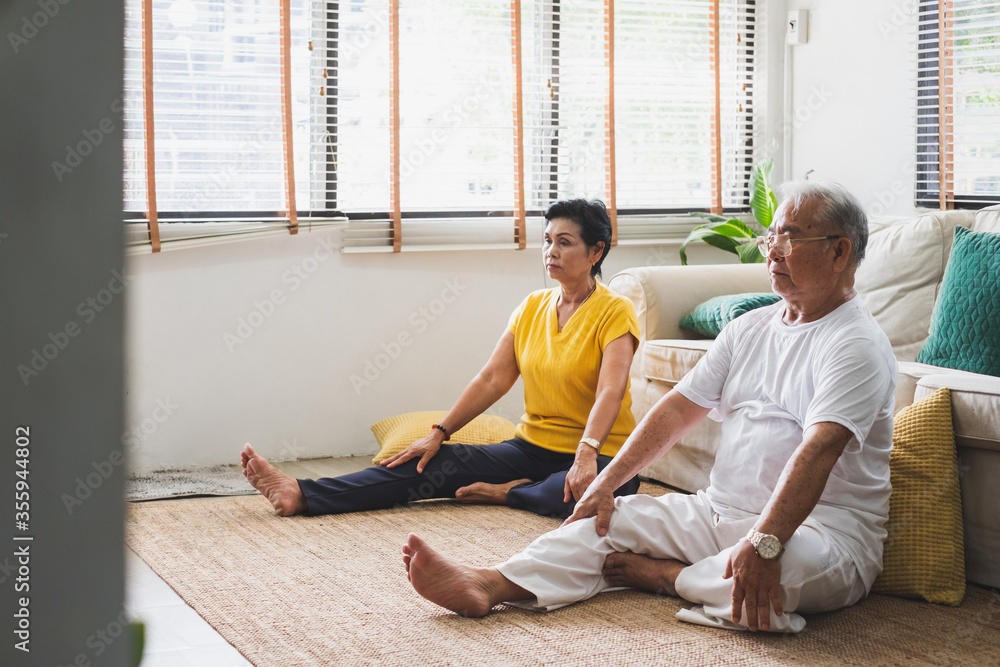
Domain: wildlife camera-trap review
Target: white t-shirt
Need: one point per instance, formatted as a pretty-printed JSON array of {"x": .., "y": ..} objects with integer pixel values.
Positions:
[{"x": 768, "y": 382}]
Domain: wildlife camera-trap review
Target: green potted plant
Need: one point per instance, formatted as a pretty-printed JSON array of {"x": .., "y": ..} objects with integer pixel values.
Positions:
[{"x": 734, "y": 235}]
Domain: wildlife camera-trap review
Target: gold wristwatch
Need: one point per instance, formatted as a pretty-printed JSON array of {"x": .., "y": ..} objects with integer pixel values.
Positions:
[{"x": 767, "y": 546}]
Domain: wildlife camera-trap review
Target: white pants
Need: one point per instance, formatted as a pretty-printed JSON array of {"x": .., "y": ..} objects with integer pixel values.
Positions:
[{"x": 564, "y": 566}]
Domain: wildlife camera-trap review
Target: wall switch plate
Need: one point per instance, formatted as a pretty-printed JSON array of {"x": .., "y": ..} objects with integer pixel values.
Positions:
[{"x": 797, "y": 27}]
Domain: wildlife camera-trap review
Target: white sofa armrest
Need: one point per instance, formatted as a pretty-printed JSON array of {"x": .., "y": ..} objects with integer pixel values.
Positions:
[{"x": 663, "y": 295}]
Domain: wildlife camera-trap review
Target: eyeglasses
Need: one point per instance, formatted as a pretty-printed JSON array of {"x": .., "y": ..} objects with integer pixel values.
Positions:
[{"x": 782, "y": 245}]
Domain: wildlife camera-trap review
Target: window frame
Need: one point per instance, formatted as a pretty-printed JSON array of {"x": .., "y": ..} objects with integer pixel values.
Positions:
[
  {"x": 927, "y": 147},
  {"x": 547, "y": 159}
]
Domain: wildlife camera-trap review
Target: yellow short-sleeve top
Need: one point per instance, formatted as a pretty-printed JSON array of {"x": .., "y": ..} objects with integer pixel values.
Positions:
[{"x": 560, "y": 369}]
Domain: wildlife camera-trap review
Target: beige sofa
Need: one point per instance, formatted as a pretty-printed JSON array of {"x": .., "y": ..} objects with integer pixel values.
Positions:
[{"x": 899, "y": 280}]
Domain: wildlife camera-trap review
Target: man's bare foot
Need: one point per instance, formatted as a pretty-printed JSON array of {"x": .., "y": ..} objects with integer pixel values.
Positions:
[
  {"x": 490, "y": 494},
  {"x": 642, "y": 572},
  {"x": 468, "y": 591},
  {"x": 282, "y": 491}
]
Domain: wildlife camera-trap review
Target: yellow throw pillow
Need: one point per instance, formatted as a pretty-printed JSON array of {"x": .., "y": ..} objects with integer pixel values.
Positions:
[
  {"x": 925, "y": 553},
  {"x": 397, "y": 433}
]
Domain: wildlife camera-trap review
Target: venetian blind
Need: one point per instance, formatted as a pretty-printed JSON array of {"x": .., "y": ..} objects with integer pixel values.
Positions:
[
  {"x": 435, "y": 125},
  {"x": 214, "y": 96},
  {"x": 958, "y": 104},
  {"x": 664, "y": 160}
]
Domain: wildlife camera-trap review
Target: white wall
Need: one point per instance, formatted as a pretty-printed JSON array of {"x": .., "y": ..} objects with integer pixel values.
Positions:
[
  {"x": 853, "y": 117},
  {"x": 195, "y": 394},
  {"x": 287, "y": 388}
]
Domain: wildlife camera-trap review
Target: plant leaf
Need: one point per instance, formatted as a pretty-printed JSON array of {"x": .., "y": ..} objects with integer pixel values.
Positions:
[
  {"x": 727, "y": 243},
  {"x": 138, "y": 632},
  {"x": 762, "y": 199},
  {"x": 712, "y": 235},
  {"x": 749, "y": 253},
  {"x": 710, "y": 216},
  {"x": 733, "y": 228}
]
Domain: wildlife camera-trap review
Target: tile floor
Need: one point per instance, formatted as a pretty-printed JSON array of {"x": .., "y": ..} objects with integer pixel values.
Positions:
[{"x": 176, "y": 636}]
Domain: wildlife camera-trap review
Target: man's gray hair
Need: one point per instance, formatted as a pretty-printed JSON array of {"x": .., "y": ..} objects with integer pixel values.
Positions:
[{"x": 838, "y": 210}]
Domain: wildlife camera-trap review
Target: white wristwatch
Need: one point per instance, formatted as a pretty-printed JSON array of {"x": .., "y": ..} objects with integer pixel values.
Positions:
[
  {"x": 593, "y": 442},
  {"x": 767, "y": 546}
]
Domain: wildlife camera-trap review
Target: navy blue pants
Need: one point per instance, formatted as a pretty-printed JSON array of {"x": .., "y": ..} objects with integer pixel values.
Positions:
[{"x": 453, "y": 467}]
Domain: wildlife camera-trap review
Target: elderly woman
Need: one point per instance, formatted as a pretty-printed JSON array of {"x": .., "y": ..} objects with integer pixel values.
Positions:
[{"x": 572, "y": 345}]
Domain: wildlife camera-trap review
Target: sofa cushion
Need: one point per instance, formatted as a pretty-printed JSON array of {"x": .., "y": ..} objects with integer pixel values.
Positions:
[
  {"x": 901, "y": 275},
  {"x": 987, "y": 220},
  {"x": 670, "y": 360},
  {"x": 975, "y": 406},
  {"x": 912, "y": 372},
  {"x": 975, "y": 401},
  {"x": 924, "y": 552},
  {"x": 710, "y": 316},
  {"x": 967, "y": 315}
]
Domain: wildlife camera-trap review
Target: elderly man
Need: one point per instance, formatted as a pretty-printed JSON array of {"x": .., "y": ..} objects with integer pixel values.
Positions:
[{"x": 792, "y": 520}]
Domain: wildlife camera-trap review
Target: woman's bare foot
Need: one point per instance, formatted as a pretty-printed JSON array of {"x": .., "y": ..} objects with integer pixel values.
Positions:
[
  {"x": 468, "y": 591},
  {"x": 642, "y": 572},
  {"x": 490, "y": 494},
  {"x": 282, "y": 491}
]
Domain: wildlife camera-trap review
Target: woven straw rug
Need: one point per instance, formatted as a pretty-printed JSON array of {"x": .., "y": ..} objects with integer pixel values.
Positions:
[{"x": 332, "y": 591}]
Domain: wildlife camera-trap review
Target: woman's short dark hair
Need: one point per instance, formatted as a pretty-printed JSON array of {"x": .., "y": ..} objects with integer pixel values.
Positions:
[{"x": 591, "y": 217}]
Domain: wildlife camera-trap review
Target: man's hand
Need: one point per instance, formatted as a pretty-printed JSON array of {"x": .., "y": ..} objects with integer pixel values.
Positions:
[
  {"x": 597, "y": 502},
  {"x": 425, "y": 448},
  {"x": 757, "y": 582},
  {"x": 580, "y": 476}
]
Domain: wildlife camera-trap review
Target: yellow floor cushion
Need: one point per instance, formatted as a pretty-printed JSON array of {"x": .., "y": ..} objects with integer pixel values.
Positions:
[
  {"x": 924, "y": 554},
  {"x": 397, "y": 433}
]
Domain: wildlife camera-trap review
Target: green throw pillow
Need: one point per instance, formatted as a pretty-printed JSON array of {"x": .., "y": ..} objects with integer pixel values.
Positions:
[
  {"x": 709, "y": 317},
  {"x": 965, "y": 327}
]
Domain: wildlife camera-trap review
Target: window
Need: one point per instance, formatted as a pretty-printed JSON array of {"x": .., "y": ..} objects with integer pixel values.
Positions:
[
  {"x": 958, "y": 104},
  {"x": 410, "y": 117},
  {"x": 218, "y": 108}
]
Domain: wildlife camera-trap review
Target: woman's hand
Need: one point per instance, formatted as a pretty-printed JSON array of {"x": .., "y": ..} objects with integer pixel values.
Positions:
[
  {"x": 580, "y": 475},
  {"x": 425, "y": 448}
]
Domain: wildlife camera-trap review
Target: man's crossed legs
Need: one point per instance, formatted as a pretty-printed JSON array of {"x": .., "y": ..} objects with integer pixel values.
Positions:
[{"x": 675, "y": 544}]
